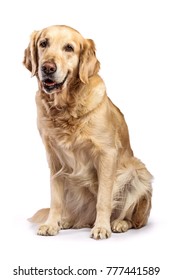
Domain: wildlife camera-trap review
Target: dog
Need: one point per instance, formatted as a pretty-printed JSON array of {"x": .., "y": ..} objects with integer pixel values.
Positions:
[{"x": 95, "y": 179}]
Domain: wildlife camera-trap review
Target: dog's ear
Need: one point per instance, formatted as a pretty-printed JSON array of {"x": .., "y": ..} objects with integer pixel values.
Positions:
[
  {"x": 30, "y": 56},
  {"x": 88, "y": 64}
]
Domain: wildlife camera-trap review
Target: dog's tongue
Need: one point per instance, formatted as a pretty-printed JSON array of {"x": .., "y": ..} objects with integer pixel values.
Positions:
[{"x": 49, "y": 82}]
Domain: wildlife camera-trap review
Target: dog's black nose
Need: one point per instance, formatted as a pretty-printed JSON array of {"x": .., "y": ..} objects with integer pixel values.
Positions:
[{"x": 48, "y": 68}]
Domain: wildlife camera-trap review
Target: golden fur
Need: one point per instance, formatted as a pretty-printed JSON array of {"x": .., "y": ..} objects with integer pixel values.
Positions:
[{"x": 95, "y": 179}]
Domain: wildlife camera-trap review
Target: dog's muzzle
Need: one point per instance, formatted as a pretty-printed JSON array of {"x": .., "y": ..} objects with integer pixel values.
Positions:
[{"x": 49, "y": 82}]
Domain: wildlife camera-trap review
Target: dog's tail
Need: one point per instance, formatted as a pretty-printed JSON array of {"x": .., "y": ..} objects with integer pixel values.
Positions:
[{"x": 40, "y": 216}]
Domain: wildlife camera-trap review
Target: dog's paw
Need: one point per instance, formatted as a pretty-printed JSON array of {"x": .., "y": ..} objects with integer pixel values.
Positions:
[
  {"x": 100, "y": 232},
  {"x": 120, "y": 225},
  {"x": 46, "y": 230},
  {"x": 66, "y": 225}
]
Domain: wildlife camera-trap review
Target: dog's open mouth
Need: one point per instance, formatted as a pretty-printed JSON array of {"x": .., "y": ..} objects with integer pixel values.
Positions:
[{"x": 50, "y": 85}]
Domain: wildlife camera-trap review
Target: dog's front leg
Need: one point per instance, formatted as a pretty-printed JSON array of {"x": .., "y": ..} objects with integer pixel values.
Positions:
[
  {"x": 106, "y": 175},
  {"x": 53, "y": 222}
]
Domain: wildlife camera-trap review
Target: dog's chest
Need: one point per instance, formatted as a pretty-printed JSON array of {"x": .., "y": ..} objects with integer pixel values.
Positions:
[
  {"x": 64, "y": 131},
  {"x": 66, "y": 139},
  {"x": 76, "y": 165}
]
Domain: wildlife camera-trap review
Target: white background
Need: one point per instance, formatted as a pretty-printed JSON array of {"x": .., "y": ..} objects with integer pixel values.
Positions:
[{"x": 134, "y": 41}]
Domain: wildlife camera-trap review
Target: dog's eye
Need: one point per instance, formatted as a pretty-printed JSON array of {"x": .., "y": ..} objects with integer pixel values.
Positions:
[
  {"x": 69, "y": 48},
  {"x": 43, "y": 44}
]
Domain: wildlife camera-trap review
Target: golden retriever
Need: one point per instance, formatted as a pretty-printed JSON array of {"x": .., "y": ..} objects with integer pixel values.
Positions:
[{"x": 95, "y": 179}]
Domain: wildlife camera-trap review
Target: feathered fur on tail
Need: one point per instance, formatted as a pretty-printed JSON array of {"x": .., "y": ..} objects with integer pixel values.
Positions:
[{"x": 40, "y": 216}]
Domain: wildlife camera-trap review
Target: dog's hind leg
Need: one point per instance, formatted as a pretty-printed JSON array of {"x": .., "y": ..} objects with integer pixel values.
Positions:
[{"x": 132, "y": 201}]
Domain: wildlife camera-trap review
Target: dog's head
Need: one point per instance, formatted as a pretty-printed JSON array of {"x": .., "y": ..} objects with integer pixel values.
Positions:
[{"x": 58, "y": 55}]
